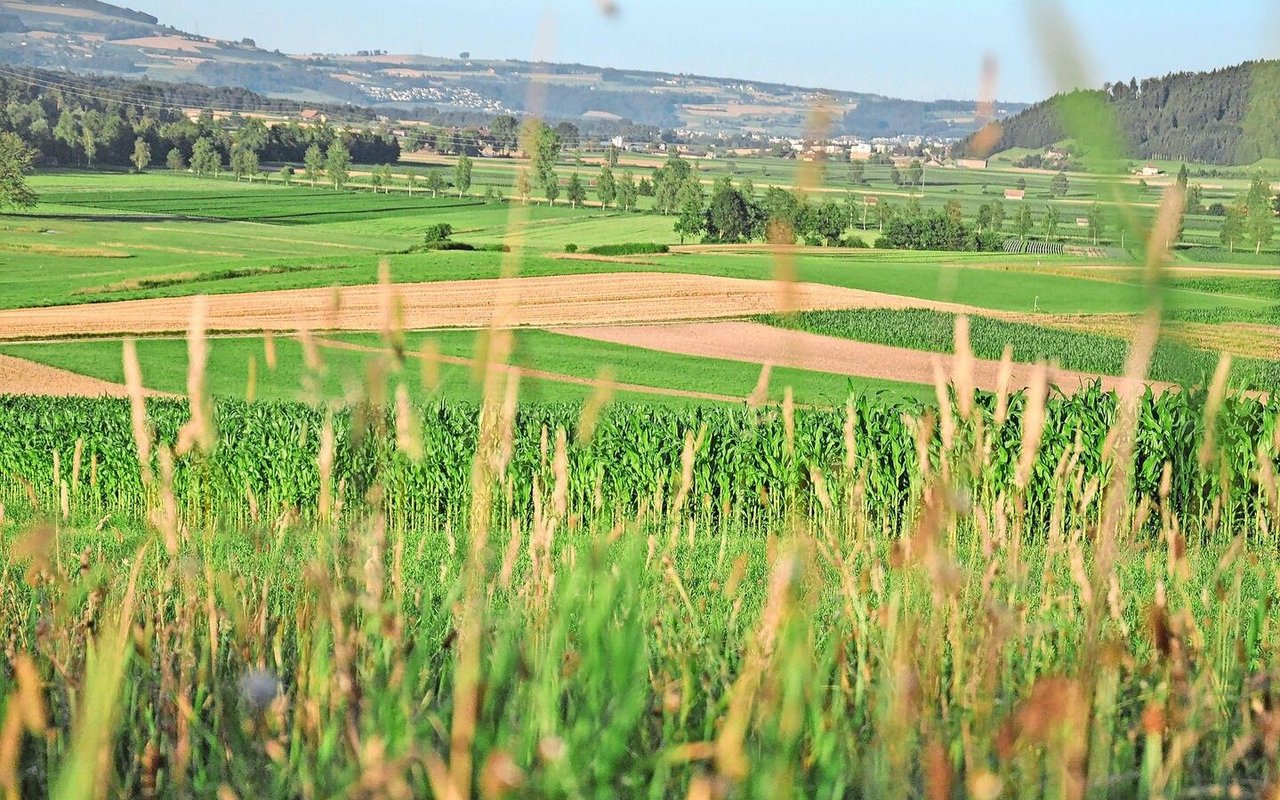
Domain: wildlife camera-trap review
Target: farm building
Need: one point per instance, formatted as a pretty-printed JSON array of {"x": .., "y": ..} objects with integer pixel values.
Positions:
[
  {"x": 1014, "y": 194},
  {"x": 971, "y": 163}
]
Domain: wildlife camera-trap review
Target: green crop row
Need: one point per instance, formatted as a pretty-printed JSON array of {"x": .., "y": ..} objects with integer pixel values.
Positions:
[
  {"x": 748, "y": 465},
  {"x": 923, "y": 329},
  {"x": 1266, "y": 288}
]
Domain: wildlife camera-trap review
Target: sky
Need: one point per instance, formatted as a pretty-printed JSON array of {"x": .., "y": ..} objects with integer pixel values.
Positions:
[{"x": 919, "y": 49}]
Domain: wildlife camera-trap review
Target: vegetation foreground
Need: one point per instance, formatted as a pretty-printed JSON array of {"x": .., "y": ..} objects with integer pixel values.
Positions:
[{"x": 1010, "y": 597}]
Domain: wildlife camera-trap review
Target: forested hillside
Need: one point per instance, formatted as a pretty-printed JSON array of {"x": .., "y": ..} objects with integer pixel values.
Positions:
[
  {"x": 1228, "y": 116},
  {"x": 88, "y": 121}
]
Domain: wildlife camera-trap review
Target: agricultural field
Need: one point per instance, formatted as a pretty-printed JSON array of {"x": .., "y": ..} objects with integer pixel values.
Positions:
[
  {"x": 293, "y": 503},
  {"x": 104, "y": 249}
]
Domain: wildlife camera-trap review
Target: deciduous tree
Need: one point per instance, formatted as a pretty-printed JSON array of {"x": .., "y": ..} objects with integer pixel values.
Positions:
[
  {"x": 984, "y": 217},
  {"x": 729, "y": 216},
  {"x": 1052, "y": 219},
  {"x": 337, "y": 164},
  {"x": 504, "y": 129},
  {"x": 524, "y": 185},
  {"x": 1097, "y": 222},
  {"x": 1026, "y": 222},
  {"x": 829, "y": 222},
  {"x": 141, "y": 154},
  {"x": 1261, "y": 223},
  {"x": 668, "y": 180},
  {"x": 244, "y": 163},
  {"x": 606, "y": 187},
  {"x": 690, "y": 222},
  {"x": 1233, "y": 227},
  {"x": 434, "y": 182},
  {"x": 915, "y": 172},
  {"x": 462, "y": 175},
  {"x": 627, "y": 192},
  {"x": 543, "y": 146},
  {"x": 1059, "y": 185},
  {"x": 997, "y": 216},
  {"x": 313, "y": 163},
  {"x": 576, "y": 191},
  {"x": 205, "y": 158},
  {"x": 16, "y": 160}
]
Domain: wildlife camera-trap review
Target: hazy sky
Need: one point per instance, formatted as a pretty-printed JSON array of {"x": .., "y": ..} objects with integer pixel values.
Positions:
[{"x": 923, "y": 49}]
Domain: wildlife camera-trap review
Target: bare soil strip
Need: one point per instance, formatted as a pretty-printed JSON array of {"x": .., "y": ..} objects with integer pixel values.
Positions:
[
  {"x": 604, "y": 299},
  {"x": 557, "y": 377},
  {"x": 762, "y": 344},
  {"x": 19, "y": 376}
]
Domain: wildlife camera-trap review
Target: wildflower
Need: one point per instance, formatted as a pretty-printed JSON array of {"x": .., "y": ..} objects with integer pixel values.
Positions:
[{"x": 259, "y": 688}]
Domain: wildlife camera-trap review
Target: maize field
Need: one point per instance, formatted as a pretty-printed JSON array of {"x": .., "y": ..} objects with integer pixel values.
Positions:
[{"x": 1028, "y": 595}]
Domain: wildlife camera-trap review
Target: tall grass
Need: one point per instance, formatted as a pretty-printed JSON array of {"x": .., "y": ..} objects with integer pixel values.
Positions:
[{"x": 999, "y": 596}]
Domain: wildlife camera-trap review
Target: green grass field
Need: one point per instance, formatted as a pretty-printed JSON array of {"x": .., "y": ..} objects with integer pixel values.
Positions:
[
  {"x": 233, "y": 360},
  {"x": 109, "y": 236}
]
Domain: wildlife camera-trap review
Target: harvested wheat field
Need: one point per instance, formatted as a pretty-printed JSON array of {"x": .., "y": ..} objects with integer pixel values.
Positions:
[
  {"x": 763, "y": 344},
  {"x": 19, "y": 376},
  {"x": 541, "y": 302}
]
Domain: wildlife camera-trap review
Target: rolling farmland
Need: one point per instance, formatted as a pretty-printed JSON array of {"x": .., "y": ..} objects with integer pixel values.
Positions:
[{"x": 294, "y": 502}]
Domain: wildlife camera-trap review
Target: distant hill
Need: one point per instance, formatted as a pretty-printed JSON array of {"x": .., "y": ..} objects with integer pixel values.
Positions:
[
  {"x": 95, "y": 37},
  {"x": 1227, "y": 116}
]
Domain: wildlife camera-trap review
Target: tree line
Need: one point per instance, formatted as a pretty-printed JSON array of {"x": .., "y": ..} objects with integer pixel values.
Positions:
[
  {"x": 735, "y": 213},
  {"x": 1251, "y": 220}
]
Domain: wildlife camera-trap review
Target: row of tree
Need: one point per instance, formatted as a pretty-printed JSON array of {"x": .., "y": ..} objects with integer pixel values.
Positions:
[
  {"x": 1251, "y": 219},
  {"x": 502, "y": 136}
]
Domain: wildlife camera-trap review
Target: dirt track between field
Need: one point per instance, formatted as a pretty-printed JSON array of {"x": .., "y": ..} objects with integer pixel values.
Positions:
[
  {"x": 19, "y": 376},
  {"x": 762, "y": 344},
  {"x": 601, "y": 299}
]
